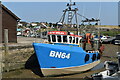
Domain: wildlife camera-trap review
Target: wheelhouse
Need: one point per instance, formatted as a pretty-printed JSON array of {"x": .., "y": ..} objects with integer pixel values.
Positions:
[{"x": 63, "y": 37}]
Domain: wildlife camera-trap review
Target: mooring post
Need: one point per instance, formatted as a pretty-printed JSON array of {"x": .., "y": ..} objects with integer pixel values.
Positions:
[
  {"x": 6, "y": 48},
  {"x": 6, "y": 40}
]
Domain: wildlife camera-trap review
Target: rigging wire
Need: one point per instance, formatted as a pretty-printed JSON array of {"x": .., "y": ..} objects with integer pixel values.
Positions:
[
  {"x": 83, "y": 12},
  {"x": 99, "y": 23},
  {"x": 81, "y": 15},
  {"x": 99, "y": 14}
]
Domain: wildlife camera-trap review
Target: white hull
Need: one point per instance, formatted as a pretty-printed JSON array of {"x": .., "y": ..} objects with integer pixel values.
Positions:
[{"x": 69, "y": 70}]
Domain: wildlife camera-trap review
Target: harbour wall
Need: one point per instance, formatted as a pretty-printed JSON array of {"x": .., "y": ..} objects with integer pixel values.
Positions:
[{"x": 16, "y": 58}]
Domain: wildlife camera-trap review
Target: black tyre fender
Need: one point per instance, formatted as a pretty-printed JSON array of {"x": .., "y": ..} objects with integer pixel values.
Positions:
[
  {"x": 87, "y": 58},
  {"x": 98, "y": 56},
  {"x": 94, "y": 57}
]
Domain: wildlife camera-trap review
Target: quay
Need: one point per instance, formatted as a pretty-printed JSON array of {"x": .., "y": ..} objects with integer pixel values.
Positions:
[{"x": 18, "y": 53}]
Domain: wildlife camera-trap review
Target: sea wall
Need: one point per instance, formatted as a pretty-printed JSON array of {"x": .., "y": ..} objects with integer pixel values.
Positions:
[{"x": 16, "y": 57}]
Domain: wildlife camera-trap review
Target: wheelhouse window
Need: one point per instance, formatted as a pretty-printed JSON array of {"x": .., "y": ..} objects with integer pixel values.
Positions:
[
  {"x": 49, "y": 38},
  {"x": 73, "y": 39},
  {"x": 59, "y": 38},
  {"x": 53, "y": 38},
  {"x": 77, "y": 40},
  {"x": 64, "y": 38},
  {"x": 70, "y": 38},
  {"x": 44, "y": 33}
]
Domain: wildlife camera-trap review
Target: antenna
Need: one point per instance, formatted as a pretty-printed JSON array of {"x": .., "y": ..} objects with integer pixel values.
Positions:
[
  {"x": 70, "y": 1},
  {"x": 99, "y": 11}
]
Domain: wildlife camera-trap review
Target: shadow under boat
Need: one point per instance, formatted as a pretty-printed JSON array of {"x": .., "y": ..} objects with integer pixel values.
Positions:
[{"x": 33, "y": 65}]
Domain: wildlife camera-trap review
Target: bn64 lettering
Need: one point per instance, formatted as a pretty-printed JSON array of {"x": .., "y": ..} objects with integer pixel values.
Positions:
[{"x": 57, "y": 54}]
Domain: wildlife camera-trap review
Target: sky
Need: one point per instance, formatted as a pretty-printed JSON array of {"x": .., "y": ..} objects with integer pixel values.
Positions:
[
  {"x": 52, "y": 11},
  {"x": 60, "y": 0}
]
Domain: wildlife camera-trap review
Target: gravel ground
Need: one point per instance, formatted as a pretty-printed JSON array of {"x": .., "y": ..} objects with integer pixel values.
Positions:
[{"x": 110, "y": 50}]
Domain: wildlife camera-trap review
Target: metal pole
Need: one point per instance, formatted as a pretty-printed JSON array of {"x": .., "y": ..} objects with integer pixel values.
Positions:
[
  {"x": 63, "y": 17},
  {"x": 77, "y": 23}
]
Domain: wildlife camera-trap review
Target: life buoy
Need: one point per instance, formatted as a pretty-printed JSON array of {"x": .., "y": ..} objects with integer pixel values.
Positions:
[{"x": 87, "y": 58}]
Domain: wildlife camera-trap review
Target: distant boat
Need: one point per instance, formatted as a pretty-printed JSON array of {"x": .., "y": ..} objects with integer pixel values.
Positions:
[{"x": 112, "y": 71}]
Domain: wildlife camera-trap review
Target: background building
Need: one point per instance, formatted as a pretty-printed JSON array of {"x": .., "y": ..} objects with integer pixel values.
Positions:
[{"x": 8, "y": 20}]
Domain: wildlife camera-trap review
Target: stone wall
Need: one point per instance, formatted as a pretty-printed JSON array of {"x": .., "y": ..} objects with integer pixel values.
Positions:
[{"x": 16, "y": 58}]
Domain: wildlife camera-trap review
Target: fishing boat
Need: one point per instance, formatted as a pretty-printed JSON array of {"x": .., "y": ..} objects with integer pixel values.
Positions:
[{"x": 64, "y": 54}]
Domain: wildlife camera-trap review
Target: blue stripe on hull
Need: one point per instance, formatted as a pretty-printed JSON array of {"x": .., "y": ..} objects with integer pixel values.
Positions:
[{"x": 76, "y": 57}]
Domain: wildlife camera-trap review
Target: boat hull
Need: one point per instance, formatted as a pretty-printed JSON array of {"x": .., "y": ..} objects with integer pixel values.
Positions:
[
  {"x": 69, "y": 70},
  {"x": 60, "y": 59}
]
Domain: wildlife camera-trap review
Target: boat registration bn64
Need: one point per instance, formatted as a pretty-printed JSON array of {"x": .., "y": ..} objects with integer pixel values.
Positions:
[{"x": 57, "y": 54}]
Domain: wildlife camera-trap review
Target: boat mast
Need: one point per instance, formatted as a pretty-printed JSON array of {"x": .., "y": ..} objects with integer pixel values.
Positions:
[{"x": 71, "y": 13}]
